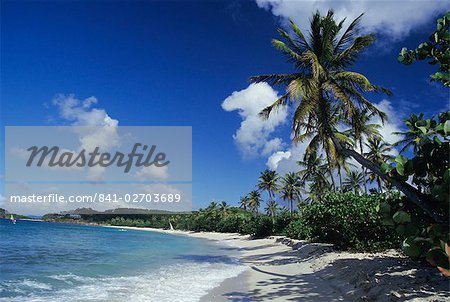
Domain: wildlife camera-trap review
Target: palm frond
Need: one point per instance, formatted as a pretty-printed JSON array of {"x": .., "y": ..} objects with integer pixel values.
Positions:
[
  {"x": 349, "y": 55},
  {"x": 265, "y": 113},
  {"x": 302, "y": 41},
  {"x": 286, "y": 50},
  {"x": 349, "y": 34},
  {"x": 340, "y": 94},
  {"x": 274, "y": 79}
]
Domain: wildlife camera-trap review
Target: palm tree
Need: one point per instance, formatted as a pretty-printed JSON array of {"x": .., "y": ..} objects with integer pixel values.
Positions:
[
  {"x": 379, "y": 153},
  {"x": 267, "y": 181},
  {"x": 353, "y": 181},
  {"x": 361, "y": 128},
  {"x": 318, "y": 188},
  {"x": 290, "y": 188},
  {"x": 314, "y": 171},
  {"x": 343, "y": 164},
  {"x": 319, "y": 139},
  {"x": 310, "y": 165},
  {"x": 224, "y": 207},
  {"x": 271, "y": 210},
  {"x": 322, "y": 80},
  {"x": 243, "y": 202},
  {"x": 212, "y": 206},
  {"x": 254, "y": 201}
]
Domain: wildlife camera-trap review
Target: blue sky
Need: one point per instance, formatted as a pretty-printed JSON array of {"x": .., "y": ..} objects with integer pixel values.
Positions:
[{"x": 174, "y": 63}]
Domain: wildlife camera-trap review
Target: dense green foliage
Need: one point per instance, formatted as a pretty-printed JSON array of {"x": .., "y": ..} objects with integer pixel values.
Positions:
[
  {"x": 429, "y": 170},
  {"x": 347, "y": 220}
]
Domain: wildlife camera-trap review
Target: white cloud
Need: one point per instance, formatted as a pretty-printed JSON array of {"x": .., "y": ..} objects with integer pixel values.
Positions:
[
  {"x": 80, "y": 112},
  {"x": 286, "y": 161},
  {"x": 152, "y": 173},
  {"x": 393, "y": 18},
  {"x": 254, "y": 135},
  {"x": 274, "y": 160},
  {"x": 102, "y": 134},
  {"x": 393, "y": 123}
]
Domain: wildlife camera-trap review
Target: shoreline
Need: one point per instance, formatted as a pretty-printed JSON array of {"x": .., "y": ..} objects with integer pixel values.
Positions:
[{"x": 281, "y": 269}]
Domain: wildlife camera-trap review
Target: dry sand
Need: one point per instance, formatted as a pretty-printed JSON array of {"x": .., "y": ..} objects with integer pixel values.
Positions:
[{"x": 282, "y": 269}]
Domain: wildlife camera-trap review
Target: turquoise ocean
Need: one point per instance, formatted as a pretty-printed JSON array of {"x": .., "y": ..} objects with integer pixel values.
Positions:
[{"x": 43, "y": 261}]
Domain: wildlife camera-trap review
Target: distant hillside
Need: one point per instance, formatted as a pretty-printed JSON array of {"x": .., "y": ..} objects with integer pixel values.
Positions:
[{"x": 5, "y": 214}]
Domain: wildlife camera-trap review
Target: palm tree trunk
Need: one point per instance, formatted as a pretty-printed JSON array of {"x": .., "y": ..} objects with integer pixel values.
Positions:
[
  {"x": 330, "y": 170},
  {"x": 380, "y": 188},
  {"x": 340, "y": 178},
  {"x": 363, "y": 169},
  {"x": 421, "y": 200}
]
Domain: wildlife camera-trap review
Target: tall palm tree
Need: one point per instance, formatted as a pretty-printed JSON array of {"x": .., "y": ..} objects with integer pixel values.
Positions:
[
  {"x": 290, "y": 188},
  {"x": 353, "y": 181},
  {"x": 271, "y": 210},
  {"x": 314, "y": 171},
  {"x": 243, "y": 202},
  {"x": 363, "y": 129},
  {"x": 267, "y": 181},
  {"x": 379, "y": 152},
  {"x": 254, "y": 201},
  {"x": 322, "y": 80}
]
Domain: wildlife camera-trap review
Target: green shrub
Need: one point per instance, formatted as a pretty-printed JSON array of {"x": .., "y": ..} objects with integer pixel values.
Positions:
[
  {"x": 282, "y": 220},
  {"x": 294, "y": 229},
  {"x": 232, "y": 224},
  {"x": 259, "y": 226},
  {"x": 347, "y": 220}
]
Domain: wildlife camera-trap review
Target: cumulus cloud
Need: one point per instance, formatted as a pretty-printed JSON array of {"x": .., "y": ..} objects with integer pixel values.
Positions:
[
  {"x": 81, "y": 113},
  {"x": 286, "y": 161},
  {"x": 254, "y": 136},
  {"x": 274, "y": 160},
  {"x": 99, "y": 129},
  {"x": 393, "y": 123},
  {"x": 392, "y": 18}
]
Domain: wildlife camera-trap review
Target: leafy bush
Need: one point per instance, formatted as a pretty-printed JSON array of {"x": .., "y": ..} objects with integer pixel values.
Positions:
[
  {"x": 259, "y": 226},
  {"x": 232, "y": 224},
  {"x": 429, "y": 170},
  {"x": 294, "y": 229},
  {"x": 347, "y": 220},
  {"x": 282, "y": 220}
]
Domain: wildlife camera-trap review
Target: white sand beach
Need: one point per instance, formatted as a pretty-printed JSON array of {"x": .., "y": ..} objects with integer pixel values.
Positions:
[{"x": 281, "y": 269}]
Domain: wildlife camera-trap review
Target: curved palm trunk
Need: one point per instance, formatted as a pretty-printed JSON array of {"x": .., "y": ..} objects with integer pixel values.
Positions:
[
  {"x": 421, "y": 200},
  {"x": 363, "y": 169}
]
